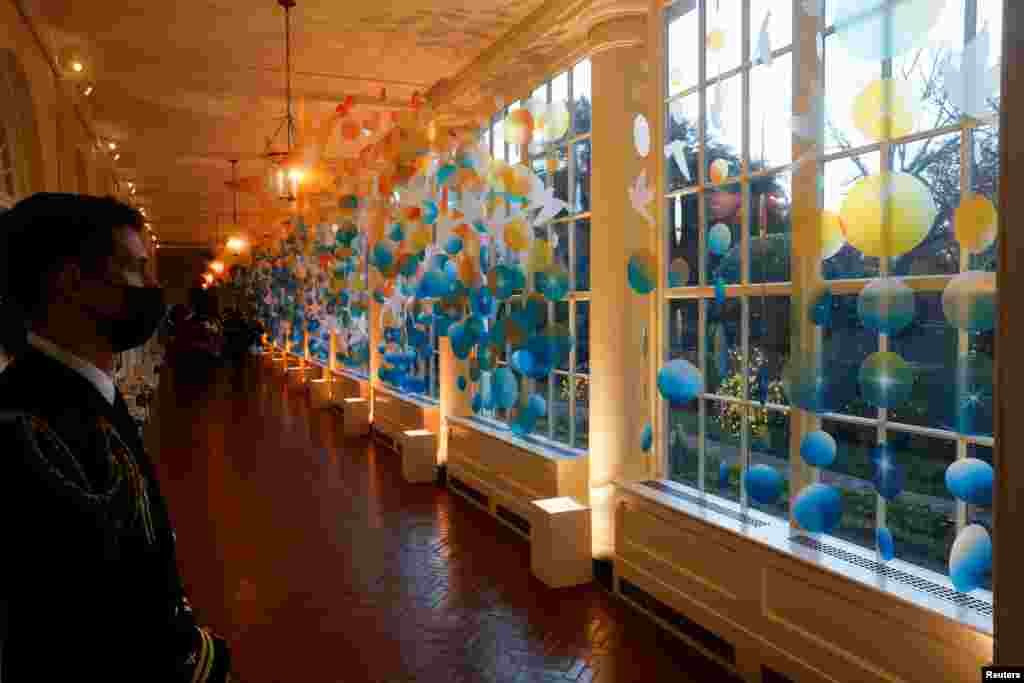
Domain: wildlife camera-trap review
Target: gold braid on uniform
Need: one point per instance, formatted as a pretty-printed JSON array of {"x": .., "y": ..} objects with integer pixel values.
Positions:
[{"x": 50, "y": 456}]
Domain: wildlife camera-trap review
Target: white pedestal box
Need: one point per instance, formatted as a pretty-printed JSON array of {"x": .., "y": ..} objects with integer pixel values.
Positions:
[
  {"x": 560, "y": 550},
  {"x": 419, "y": 455}
]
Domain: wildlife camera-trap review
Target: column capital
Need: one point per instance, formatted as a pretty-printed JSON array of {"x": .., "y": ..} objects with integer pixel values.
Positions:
[{"x": 616, "y": 24}]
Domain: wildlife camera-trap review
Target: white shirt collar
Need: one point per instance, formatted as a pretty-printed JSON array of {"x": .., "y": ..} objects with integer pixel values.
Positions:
[{"x": 99, "y": 379}]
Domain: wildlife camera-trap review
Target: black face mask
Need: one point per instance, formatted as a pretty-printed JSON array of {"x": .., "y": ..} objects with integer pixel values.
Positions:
[{"x": 144, "y": 310}]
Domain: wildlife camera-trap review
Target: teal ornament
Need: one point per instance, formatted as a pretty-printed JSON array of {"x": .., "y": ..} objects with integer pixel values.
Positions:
[
  {"x": 719, "y": 292},
  {"x": 970, "y": 410},
  {"x": 462, "y": 383},
  {"x": 639, "y": 271},
  {"x": 482, "y": 302},
  {"x": 445, "y": 173},
  {"x": 478, "y": 403},
  {"x": 969, "y": 301},
  {"x": 505, "y": 387},
  {"x": 647, "y": 438},
  {"x": 970, "y": 560},
  {"x": 886, "y": 380},
  {"x": 679, "y": 382},
  {"x": 970, "y": 480},
  {"x": 523, "y": 362},
  {"x": 409, "y": 268},
  {"x": 556, "y": 284},
  {"x": 885, "y": 543},
  {"x": 719, "y": 239},
  {"x": 485, "y": 357},
  {"x": 821, "y": 309},
  {"x": 763, "y": 484},
  {"x": 397, "y": 233},
  {"x": 509, "y": 279},
  {"x": 429, "y": 212},
  {"x": 382, "y": 256},
  {"x": 818, "y": 508},
  {"x": 886, "y": 306},
  {"x": 723, "y": 475},
  {"x": 454, "y": 245},
  {"x": 818, "y": 449}
]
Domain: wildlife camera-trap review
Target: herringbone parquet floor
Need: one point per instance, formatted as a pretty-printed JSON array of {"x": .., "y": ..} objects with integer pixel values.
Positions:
[{"x": 322, "y": 566}]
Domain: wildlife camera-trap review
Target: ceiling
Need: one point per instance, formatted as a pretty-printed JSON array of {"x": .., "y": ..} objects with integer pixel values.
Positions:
[{"x": 185, "y": 85}]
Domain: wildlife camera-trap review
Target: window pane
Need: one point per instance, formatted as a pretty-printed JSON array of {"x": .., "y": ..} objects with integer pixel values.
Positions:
[
  {"x": 779, "y": 23},
  {"x": 722, "y": 454},
  {"x": 770, "y": 107},
  {"x": 844, "y": 347},
  {"x": 541, "y": 388},
  {"x": 724, "y": 134},
  {"x": 845, "y": 78},
  {"x": 981, "y": 514},
  {"x": 769, "y": 445},
  {"x": 929, "y": 344},
  {"x": 559, "y": 412},
  {"x": 683, "y": 27},
  {"x": 683, "y": 333},
  {"x": 985, "y": 181},
  {"x": 561, "y": 175},
  {"x": 770, "y": 217},
  {"x": 990, "y": 13},
  {"x": 936, "y": 163},
  {"x": 683, "y": 240},
  {"x": 560, "y": 243},
  {"x": 723, "y": 36},
  {"x": 681, "y": 149},
  {"x": 581, "y": 182},
  {"x": 769, "y": 346},
  {"x": 581, "y": 97},
  {"x": 852, "y": 472},
  {"x": 840, "y": 176},
  {"x": 582, "y": 246},
  {"x": 514, "y": 155},
  {"x": 922, "y": 518},
  {"x": 722, "y": 348},
  {"x": 499, "y": 138},
  {"x": 540, "y": 94},
  {"x": 582, "y": 412},
  {"x": 583, "y": 337},
  {"x": 683, "y": 439},
  {"x": 722, "y": 234},
  {"x": 560, "y": 88},
  {"x": 562, "y": 324}
]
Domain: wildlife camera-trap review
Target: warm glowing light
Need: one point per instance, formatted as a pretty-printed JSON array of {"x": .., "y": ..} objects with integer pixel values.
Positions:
[
  {"x": 236, "y": 244},
  {"x": 208, "y": 278},
  {"x": 217, "y": 267},
  {"x": 112, "y": 145},
  {"x": 553, "y": 506},
  {"x": 295, "y": 175},
  {"x": 116, "y": 157},
  {"x": 77, "y": 67},
  {"x": 88, "y": 90}
]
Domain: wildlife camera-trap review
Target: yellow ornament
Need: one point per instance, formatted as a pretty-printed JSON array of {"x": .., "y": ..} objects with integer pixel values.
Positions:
[
  {"x": 718, "y": 171},
  {"x": 976, "y": 222},
  {"x": 716, "y": 40},
  {"x": 885, "y": 109},
  {"x": 888, "y": 214},
  {"x": 540, "y": 255},
  {"x": 421, "y": 238},
  {"x": 517, "y": 235},
  {"x": 832, "y": 234}
]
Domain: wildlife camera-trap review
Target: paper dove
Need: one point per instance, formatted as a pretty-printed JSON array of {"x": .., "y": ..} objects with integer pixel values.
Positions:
[
  {"x": 970, "y": 86},
  {"x": 544, "y": 198},
  {"x": 763, "y": 53},
  {"x": 677, "y": 151},
  {"x": 640, "y": 195}
]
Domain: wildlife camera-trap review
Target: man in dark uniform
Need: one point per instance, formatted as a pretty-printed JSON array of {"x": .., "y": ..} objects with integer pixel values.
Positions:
[{"x": 89, "y": 579}]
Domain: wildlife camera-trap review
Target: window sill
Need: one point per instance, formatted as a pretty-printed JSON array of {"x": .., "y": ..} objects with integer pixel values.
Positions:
[
  {"x": 416, "y": 399},
  {"x": 777, "y": 535},
  {"x": 548, "y": 451},
  {"x": 351, "y": 374}
]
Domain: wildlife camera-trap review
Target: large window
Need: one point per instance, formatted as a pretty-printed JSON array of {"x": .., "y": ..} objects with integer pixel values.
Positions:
[
  {"x": 564, "y": 166},
  {"x": 892, "y": 363}
]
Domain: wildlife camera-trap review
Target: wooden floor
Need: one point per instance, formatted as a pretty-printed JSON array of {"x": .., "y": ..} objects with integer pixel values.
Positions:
[{"x": 322, "y": 566}]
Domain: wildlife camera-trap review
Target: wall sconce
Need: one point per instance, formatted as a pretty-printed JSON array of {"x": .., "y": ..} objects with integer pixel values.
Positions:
[
  {"x": 111, "y": 146},
  {"x": 236, "y": 245},
  {"x": 217, "y": 267}
]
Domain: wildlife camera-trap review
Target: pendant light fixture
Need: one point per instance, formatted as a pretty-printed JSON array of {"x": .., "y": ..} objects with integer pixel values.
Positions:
[
  {"x": 235, "y": 243},
  {"x": 286, "y": 173}
]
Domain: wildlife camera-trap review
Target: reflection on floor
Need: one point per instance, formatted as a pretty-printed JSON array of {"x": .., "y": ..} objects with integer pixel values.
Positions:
[{"x": 322, "y": 566}]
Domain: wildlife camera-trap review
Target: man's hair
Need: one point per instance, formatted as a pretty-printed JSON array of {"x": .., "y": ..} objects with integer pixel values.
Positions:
[{"x": 43, "y": 233}]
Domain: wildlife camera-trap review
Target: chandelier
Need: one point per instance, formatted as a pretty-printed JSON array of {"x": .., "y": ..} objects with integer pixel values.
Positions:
[{"x": 286, "y": 173}]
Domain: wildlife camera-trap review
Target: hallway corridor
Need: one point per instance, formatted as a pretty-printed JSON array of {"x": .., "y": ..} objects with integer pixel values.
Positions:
[{"x": 320, "y": 565}]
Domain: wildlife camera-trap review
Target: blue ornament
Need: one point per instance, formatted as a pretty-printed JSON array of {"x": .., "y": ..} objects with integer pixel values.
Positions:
[
  {"x": 478, "y": 403},
  {"x": 679, "y": 382},
  {"x": 885, "y": 543},
  {"x": 821, "y": 309},
  {"x": 397, "y": 233},
  {"x": 723, "y": 475},
  {"x": 647, "y": 438},
  {"x": 506, "y": 388},
  {"x": 763, "y": 484},
  {"x": 454, "y": 245},
  {"x": 970, "y": 480},
  {"x": 818, "y": 508},
  {"x": 719, "y": 239},
  {"x": 818, "y": 449},
  {"x": 970, "y": 560},
  {"x": 887, "y": 306}
]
